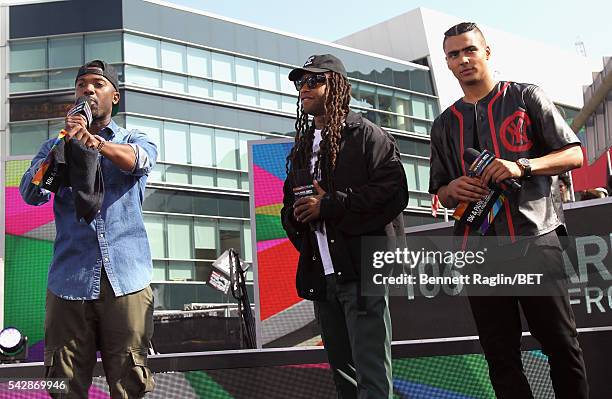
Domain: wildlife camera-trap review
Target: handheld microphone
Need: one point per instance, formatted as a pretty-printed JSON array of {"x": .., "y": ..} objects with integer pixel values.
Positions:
[
  {"x": 481, "y": 214},
  {"x": 81, "y": 106},
  {"x": 479, "y": 161},
  {"x": 304, "y": 188},
  {"x": 49, "y": 174}
]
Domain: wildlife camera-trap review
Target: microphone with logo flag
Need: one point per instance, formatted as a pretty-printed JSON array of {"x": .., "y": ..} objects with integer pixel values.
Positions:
[
  {"x": 48, "y": 174},
  {"x": 479, "y": 215}
]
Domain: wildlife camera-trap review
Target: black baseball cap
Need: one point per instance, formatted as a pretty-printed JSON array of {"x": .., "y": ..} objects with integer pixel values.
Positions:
[
  {"x": 319, "y": 64},
  {"x": 99, "y": 67}
]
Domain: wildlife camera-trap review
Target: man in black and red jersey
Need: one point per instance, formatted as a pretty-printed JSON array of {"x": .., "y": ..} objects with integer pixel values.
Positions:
[{"x": 532, "y": 143}]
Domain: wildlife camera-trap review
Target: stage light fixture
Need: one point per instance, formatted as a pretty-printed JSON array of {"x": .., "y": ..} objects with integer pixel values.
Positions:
[{"x": 13, "y": 345}]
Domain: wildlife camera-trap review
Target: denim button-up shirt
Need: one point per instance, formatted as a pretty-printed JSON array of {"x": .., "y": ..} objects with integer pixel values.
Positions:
[{"x": 116, "y": 239}]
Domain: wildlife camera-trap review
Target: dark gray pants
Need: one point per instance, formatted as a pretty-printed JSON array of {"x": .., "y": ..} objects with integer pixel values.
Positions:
[{"x": 357, "y": 341}]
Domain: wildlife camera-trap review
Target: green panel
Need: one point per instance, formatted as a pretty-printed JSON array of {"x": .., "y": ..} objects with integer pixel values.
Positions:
[
  {"x": 25, "y": 284},
  {"x": 463, "y": 374},
  {"x": 14, "y": 171},
  {"x": 205, "y": 386},
  {"x": 269, "y": 228}
]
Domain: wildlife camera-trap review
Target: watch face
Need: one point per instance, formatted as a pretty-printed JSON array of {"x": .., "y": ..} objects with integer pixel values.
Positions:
[{"x": 524, "y": 162}]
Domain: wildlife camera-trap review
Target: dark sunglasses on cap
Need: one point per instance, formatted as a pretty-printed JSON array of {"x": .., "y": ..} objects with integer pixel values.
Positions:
[{"x": 311, "y": 80}]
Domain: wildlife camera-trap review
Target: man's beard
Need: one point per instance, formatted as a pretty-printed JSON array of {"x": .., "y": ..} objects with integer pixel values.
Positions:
[
  {"x": 95, "y": 110},
  {"x": 471, "y": 82}
]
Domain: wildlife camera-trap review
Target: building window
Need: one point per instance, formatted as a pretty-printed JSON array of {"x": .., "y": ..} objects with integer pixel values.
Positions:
[
  {"x": 175, "y": 142},
  {"x": 173, "y": 57},
  {"x": 151, "y": 127},
  {"x": 268, "y": 76},
  {"x": 420, "y": 127},
  {"x": 205, "y": 239},
  {"x": 244, "y": 181},
  {"x": 247, "y": 96},
  {"x": 105, "y": 46},
  {"x": 203, "y": 177},
  {"x": 222, "y": 66},
  {"x": 142, "y": 51},
  {"x": 56, "y": 127},
  {"x": 26, "y": 139},
  {"x": 62, "y": 79},
  {"x": 198, "y": 62},
  {"x": 177, "y": 174},
  {"x": 286, "y": 85},
  {"x": 385, "y": 99},
  {"x": 224, "y": 92},
  {"x": 174, "y": 83},
  {"x": 180, "y": 271},
  {"x": 225, "y": 149},
  {"x": 199, "y": 146},
  {"x": 66, "y": 52},
  {"x": 159, "y": 270},
  {"x": 191, "y": 238},
  {"x": 199, "y": 87},
  {"x": 179, "y": 238},
  {"x": 367, "y": 96},
  {"x": 289, "y": 104},
  {"x": 154, "y": 224},
  {"x": 418, "y": 108},
  {"x": 423, "y": 170},
  {"x": 229, "y": 235},
  {"x": 243, "y": 138},
  {"x": 417, "y": 174},
  {"x": 227, "y": 179},
  {"x": 269, "y": 100},
  {"x": 28, "y": 56},
  {"x": 410, "y": 170},
  {"x": 142, "y": 77},
  {"x": 29, "y": 81},
  {"x": 245, "y": 71},
  {"x": 202, "y": 146},
  {"x": 247, "y": 254}
]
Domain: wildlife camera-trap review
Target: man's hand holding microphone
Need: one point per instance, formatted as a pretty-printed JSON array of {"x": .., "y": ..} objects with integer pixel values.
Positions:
[
  {"x": 491, "y": 173},
  {"x": 308, "y": 208},
  {"x": 76, "y": 125}
]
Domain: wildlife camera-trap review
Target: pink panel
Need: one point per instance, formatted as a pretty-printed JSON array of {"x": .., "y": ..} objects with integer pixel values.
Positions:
[
  {"x": 263, "y": 245},
  {"x": 21, "y": 217},
  {"x": 268, "y": 188}
]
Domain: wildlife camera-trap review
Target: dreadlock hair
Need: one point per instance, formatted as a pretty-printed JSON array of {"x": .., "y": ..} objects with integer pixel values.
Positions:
[
  {"x": 462, "y": 28},
  {"x": 336, "y": 107}
]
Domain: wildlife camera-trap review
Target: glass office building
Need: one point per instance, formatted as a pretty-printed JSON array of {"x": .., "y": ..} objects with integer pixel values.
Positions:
[{"x": 200, "y": 86}]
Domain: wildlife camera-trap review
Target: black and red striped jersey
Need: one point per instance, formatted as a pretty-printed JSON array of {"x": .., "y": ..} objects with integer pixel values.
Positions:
[{"x": 515, "y": 120}]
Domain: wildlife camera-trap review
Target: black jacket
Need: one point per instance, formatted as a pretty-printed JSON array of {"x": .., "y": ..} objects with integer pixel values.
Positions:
[{"x": 371, "y": 192}]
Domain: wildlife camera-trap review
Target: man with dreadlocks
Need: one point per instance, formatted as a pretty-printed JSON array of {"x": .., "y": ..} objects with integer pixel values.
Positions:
[
  {"x": 532, "y": 143},
  {"x": 361, "y": 190}
]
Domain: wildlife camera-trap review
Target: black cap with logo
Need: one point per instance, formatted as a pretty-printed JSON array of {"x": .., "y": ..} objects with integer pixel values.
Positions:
[
  {"x": 99, "y": 67},
  {"x": 319, "y": 64}
]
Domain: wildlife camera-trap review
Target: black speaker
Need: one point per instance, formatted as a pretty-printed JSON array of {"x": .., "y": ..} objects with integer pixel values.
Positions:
[{"x": 194, "y": 332}]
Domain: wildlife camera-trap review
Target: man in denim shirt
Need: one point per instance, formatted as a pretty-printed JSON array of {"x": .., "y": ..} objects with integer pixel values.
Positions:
[{"x": 98, "y": 295}]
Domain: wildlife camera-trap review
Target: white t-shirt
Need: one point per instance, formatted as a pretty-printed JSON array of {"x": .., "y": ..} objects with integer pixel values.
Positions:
[{"x": 328, "y": 266}]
